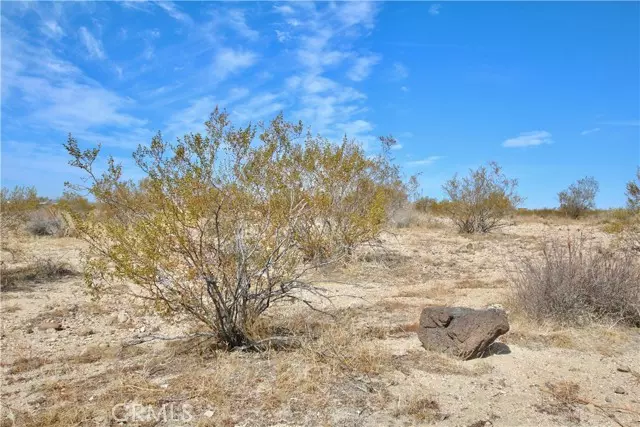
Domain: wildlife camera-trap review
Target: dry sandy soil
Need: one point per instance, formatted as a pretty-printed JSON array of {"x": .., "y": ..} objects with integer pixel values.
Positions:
[{"x": 362, "y": 367}]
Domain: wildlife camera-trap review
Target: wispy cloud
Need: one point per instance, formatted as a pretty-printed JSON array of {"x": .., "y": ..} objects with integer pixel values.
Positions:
[
  {"x": 229, "y": 61},
  {"x": 588, "y": 131},
  {"x": 362, "y": 67},
  {"x": 621, "y": 122},
  {"x": 93, "y": 45},
  {"x": 529, "y": 139},
  {"x": 400, "y": 71},
  {"x": 236, "y": 20},
  {"x": 434, "y": 9},
  {"x": 173, "y": 11},
  {"x": 396, "y": 147},
  {"x": 51, "y": 28},
  {"x": 284, "y": 9},
  {"x": 404, "y": 89},
  {"x": 425, "y": 162}
]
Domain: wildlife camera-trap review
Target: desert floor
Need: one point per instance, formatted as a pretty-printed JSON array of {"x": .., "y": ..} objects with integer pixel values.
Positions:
[{"x": 361, "y": 366}]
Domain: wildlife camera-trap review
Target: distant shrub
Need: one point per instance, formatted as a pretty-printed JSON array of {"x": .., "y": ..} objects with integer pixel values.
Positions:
[
  {"x": 542, "y": 212},
  {"x": 424, "y": 204},
  {"x": 633, "y": 193},
  {"x": 74, "y": 203},
  {"x": 16, "y": 205},
  {"x": 479, "y": 202},
  {"x": 46, "y": 222},
  {"x": 579, "y": 198},
  {"x": 576, "y": 285}
]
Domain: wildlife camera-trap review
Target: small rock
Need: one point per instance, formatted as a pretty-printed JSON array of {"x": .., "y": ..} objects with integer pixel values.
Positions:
[
  {"x": 620, "y": 390},
  {"x": 208, "y": 414},
  {"x": 164, "y": 385},
  {"x": 607, "y": 399},
  {"x": 84, "y": 332},
  {"x": 624, "y": 369},
  {"x": 50, "y": 325},
  {"x": 123, "y": 317}
]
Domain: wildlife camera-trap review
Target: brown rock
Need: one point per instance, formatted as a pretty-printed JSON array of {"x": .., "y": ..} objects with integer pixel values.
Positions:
[
  {"x": 50, "y": 324},
  {"x": 620, "y": 390},
  {"x": 459, "y": 331}
]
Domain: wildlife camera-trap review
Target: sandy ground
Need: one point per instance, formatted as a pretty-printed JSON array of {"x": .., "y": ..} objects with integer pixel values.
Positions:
[{"x": 364, "y": 368}]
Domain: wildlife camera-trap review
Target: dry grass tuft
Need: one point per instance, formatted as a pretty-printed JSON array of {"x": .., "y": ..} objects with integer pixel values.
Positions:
[
  {"x": 12, "y": 308},
  {"x": 39, "y": 271},
  {"x": 573, "y": 284},
  {"x": 26, "y": 364},
  {"x": 562, "y": 399},
  {"x": 422, "y": 409}
]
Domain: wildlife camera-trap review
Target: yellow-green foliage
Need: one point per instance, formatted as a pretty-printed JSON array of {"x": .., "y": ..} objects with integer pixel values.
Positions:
[
  {"x": 480, "y": 201},
  {"x": 17, "y": 204},
  {"x": 223, "y": 225}
]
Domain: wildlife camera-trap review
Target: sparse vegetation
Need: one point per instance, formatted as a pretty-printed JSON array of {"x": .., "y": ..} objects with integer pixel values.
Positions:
[
  {"x": 479, "y": 202},
  {"x": 38, "y": 271},
  {"x": 46, "y": 222},
  {"x": 579, "y": 198},
  {"x": 575, "y": 284},
  {"x": 633, "y": 193}
]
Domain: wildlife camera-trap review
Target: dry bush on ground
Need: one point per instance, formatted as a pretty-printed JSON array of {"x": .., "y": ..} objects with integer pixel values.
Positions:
[
  {"x": 478, "y": 203},
  {"x": 574, "y": 284},
  {"x": 46, "y": 222},
  {"x": 38, "y": 271}
]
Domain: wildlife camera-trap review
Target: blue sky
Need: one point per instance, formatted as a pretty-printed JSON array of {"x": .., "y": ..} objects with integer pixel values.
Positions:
[{"x": 550, "y": 90}]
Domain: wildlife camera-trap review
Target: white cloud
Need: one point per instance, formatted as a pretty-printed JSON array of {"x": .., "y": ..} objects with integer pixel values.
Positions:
[
  {"x": 284, "y": 9},
  {"x": 362, "y": 67},
  {"x": 52, "y": 29},
  {"x": 588, "y": 131},
  {"x": 404, "y": 89},
  {"x": 282, "y": 36},
  {"x": 528, "y": 139},
  {"x": 236, "y": 20},
  {"x": 425, "y": 162},
  {"x": 356, "y": 127},
  {"x": 229, "y": 61},
  {"x": 263, "y": 106},
  {"x": 396, "y": 147},
  {"x": 400, "y": 71},
  {"x": 434, "y": 9},
  {"x": 58, "y": 96},
  {"x": 358, "y": 12},
  {"x": 174, "y": 12},
  {"x": 93, "y": 46}
]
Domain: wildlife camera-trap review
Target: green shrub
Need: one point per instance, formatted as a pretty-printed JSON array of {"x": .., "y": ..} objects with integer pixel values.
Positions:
[
  {"x": 480, "y": 201},
  {"x": 579, "y": 198}
]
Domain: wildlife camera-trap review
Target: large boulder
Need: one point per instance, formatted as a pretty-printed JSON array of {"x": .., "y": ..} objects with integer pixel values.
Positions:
[{"x": 460, "y": 331}]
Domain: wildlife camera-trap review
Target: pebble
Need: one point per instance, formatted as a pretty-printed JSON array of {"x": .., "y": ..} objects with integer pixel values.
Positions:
[
  {"x": 50, "y": 325},
  {"x": 620, "y": 390},
  {"x": 624, "y": 369}
]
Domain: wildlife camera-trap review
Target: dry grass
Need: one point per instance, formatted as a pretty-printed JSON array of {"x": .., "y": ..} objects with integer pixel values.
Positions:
[
  {"x": 576, "y": 285},
  {"x": 26, "y": 364},
  {"x": 561, "y": 398},
  {"x": 39, "y": 271},
  {"x": 11, "y": 308},
  {"x": 422, "y": 409}
]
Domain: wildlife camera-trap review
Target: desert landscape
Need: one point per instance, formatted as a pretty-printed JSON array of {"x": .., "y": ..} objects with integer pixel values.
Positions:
[
  {"x": 67, "y": 360},
  {"x": 333, "y": 213}
]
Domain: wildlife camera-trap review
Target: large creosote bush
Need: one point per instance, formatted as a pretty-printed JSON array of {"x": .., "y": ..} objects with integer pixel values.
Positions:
[
  {"x": 224, "y": 225},
  {"x": 575, "y": 284},
  {"x": 579, "y": 198},
  {"x": 479, "y": 202},
  {"x": 16, "y": 205}
]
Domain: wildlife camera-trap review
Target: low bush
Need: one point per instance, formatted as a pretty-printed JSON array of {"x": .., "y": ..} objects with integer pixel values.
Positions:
[
  {"x": 38, "y": 271},
  {"x": 575, "y": 284},
  {"x": 46, "y": 222},
  {"x": 479, "y": 202}
]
